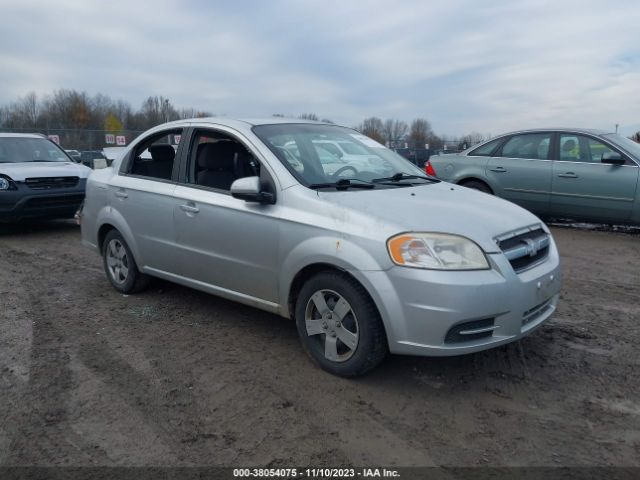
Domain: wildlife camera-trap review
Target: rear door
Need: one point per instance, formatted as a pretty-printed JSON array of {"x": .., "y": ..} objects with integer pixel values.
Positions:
[
  {"x": 142, "y": 193},
  {"x": 584, "y": 187},
  {"x": 521, "y": 171}
]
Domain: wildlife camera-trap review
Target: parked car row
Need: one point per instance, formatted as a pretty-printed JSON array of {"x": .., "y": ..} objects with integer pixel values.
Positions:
[
  {"x": 581, "y": 174},
  {"x": 325, "y": 226}
]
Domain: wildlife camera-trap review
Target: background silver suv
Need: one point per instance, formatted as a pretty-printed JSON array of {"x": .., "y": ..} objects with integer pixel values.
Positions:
[{"x": 366, "y": 260}]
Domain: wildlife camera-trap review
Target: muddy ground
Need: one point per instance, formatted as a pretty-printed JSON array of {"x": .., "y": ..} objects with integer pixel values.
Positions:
[{"x": 173, "y": 376}]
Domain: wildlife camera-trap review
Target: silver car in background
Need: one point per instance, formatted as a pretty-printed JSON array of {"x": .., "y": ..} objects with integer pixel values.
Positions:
[
  {"x": 365, "y": 262},
  {"x": 574, "y": 173}
]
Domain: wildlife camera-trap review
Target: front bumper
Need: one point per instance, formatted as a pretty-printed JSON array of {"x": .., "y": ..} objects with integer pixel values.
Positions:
[
  {"x": 424, "y": 311},
  {"x": 26, "y": 202}
]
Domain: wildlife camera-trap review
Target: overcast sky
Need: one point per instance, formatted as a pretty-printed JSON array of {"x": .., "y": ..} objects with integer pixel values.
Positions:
[{"x": 466, "y": 65}]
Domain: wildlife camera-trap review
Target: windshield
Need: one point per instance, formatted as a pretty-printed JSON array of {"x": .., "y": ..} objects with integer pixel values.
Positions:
[
  {"x": 625, "y": 143},
  {"x": 25, "y": 149},
  {"x": 324, "y": 154}
]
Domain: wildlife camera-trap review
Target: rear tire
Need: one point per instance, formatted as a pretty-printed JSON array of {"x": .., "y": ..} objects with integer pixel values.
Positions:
[
  {"x": 120, "y": 266},
  {"x": 477, "y": 185},
  {"x": 339, "y": 325}
]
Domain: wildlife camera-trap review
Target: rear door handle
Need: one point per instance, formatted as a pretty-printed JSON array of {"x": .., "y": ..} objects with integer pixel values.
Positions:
[
  {"x": 190, "y": 208},
  {"x": 121, "y": 194},
  {"x": 568, "y": 175},
  {"x": 498, "y": 169}
]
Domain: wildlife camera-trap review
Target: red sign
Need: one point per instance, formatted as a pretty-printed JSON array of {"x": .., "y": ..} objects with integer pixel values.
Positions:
[
  {"x": 54, "y": 138},
  {"x": 110, "y": 139},
  {"x": 121, "y": 140}
]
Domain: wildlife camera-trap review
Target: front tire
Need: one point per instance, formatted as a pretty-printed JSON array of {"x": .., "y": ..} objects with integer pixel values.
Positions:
[
  {"x": 339, "y": 325},
  {"x": 478, "y": 185},
  {"x": 120, "y": 266}
]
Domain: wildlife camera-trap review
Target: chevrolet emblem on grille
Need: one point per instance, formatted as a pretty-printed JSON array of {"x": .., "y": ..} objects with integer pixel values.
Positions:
[{"x": 532, "y": 246}]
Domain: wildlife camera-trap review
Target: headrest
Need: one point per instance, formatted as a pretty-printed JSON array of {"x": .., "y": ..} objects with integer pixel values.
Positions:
[
  {"x": 569, "y": 145},
  {"x": 217, "y": 156},
  {"x": 162, "y": 153}
]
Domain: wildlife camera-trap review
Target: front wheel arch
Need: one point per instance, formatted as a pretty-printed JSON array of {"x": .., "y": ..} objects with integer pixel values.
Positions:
[{"x": 472, "y": 180}]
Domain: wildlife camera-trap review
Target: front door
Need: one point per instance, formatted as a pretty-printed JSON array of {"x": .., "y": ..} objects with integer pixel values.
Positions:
[
  {"x": 225, "y": 242},
  {"x": 585, "y": 188}
]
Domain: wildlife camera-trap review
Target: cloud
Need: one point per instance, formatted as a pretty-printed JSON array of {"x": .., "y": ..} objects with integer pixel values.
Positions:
[{"x": 488, "y": 66}]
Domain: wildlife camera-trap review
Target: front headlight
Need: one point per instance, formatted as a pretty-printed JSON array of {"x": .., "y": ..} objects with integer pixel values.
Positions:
[
  {"x": 5, "y": 184},
  {"x": 436, "y": 251}
]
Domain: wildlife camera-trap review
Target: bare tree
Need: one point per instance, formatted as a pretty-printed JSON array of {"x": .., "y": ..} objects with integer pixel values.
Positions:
[
  {"x": 635, "y": 137},
  {"x": 308, "y": 116},
  {"x": 193, "y": 113},
  {"x": 469, "y": 140},
  {"x": 373, "y": 128},
  {"x": 394, "y": 131},
  {"x": 419, "y": 133},
  {"x": 24, "y": 113},
  {"x": 156, "y": 110}
]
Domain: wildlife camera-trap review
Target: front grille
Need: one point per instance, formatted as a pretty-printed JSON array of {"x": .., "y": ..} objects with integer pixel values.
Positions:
[
  {"x": 468, "y": 331},
  {"x": 46, "y": 183},
  {"x": 61, "y": 201},
  {"x": 536, "y": 312},
  {"x": 524, "y": 249}
]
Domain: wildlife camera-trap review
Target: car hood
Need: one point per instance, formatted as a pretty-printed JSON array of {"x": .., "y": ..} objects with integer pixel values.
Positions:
[
  {"x": 440, "y": 207},
  {"x": 19, "y": 171}
]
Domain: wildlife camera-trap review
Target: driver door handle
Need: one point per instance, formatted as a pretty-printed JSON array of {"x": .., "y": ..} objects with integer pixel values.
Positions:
[
  {"x": 121, "y": 193},
  {"x": 568, "y": 175},
  {"x": 498, "y": 169},
  {"x": 189, "y": 208}
]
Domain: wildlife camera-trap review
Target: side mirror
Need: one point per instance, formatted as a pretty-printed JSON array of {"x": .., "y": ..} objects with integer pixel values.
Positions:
[
  {"x": 249, "y": 189},
  {"x": 99, "y": 164},
  {"x": 612, "y": 158}
]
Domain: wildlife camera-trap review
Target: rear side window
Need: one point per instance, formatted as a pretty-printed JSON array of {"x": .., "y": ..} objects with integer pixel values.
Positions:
[
  {"x": 533, "y": 146},
  {"x": 486, "y": 150},
  {"x": 154, "y": 157}
]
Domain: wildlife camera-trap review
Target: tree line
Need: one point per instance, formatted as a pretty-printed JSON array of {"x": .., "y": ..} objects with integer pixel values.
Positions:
[{"x": 81, "y": 120}]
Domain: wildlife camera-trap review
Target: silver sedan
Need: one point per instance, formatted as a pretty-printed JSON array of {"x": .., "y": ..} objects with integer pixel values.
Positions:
[{"x": 368, "y": 258}]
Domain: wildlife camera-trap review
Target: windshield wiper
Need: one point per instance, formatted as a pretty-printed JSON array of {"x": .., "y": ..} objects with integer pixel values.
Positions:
[
  {"x": 397, "y": 177},
  {"x": 343, "y": 184}
]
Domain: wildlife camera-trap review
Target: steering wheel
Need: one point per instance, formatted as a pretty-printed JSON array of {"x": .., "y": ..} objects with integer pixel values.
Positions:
[{"x": 344, "y": 169}]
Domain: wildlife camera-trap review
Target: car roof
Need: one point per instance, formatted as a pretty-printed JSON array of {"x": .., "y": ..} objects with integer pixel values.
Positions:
[
  {"x": 243, "y": 122},
  {"x": 592, "y": 131}
]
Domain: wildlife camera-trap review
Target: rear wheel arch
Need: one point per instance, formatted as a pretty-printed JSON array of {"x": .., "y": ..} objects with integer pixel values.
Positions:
[{"x": 102, "y": 234}]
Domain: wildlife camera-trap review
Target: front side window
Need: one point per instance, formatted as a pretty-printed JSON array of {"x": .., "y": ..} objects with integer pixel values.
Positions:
[
  {"x": 579, "y": 148},
  {"x": 597, "y": 149},
  {"x": 311, "y": 153},
  {"x": 26, "y": 149},
  {"x": 154, "y": 157},
  {"x": 216, "y": 160},
  {"x": 533, "y": 146}
]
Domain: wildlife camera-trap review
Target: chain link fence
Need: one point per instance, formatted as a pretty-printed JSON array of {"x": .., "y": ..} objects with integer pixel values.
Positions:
[{"x": 81, "y": 139}]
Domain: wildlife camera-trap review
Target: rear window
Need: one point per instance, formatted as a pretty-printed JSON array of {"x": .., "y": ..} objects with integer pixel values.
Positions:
[{"x": 486, "y": 150}]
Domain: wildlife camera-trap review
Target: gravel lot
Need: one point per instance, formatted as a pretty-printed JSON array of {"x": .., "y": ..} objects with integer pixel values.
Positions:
[{"x": 173, "y": 376}]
